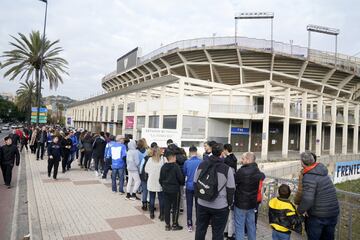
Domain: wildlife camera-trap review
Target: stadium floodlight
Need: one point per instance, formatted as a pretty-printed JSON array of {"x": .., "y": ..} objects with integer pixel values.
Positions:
[
  {"x": 325, "y": 30},
  {"x": 255, "y": 15}
]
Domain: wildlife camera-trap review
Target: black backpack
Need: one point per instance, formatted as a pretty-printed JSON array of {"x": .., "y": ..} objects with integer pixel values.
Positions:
[{"x": 207, "y": 183}]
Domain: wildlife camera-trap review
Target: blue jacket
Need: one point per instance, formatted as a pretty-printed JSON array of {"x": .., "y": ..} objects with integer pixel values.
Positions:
[
  {"x": 189, "y": 170},
  {"x": 74, "y": 144},
  {"x": 117, "y": 152}
]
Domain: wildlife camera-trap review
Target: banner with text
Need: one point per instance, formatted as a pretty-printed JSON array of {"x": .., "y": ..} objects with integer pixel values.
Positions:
[
  {"x": 160, "y": 136},
  {"x": 345, "y": 171}
]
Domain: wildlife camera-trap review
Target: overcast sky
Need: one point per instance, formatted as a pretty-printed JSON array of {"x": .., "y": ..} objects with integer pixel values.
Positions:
[{"x": 95, "y": 33}]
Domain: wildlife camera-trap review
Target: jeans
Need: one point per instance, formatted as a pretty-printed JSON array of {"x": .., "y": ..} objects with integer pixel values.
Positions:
[
  {"x": 230, "y": 226},
  {"x": 242, "y": 218},
  {"x": 82, "y": 155},
  {"x": 161, "y": 201},
  {"x": 320, "y": 228},
  {"x": 171, "y": 202},
  {"x": 98, "y": 161},
  {"x": 70, "y": 160},
  {"x": 87, "y": 159},
  {"x": 40, "y": 147},
  {"x": 144, "y": 192},
  {"x": 107, "y": 167},
  {"x": 218, "y": 218},
  {"x": 115, "y": 173},
  {"x": 280, "y": 236},
  {"x": 189, "y": 206},
  {"x": 52, "y": 162},
  {"x": 65, "y": 160},
  {"x": 7, "y": 173}
]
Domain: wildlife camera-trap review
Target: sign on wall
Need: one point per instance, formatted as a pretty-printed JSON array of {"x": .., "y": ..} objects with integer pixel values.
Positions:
[
  {"x": 240, "y": 131},
  {"x": 160, "y": 136},
  {"x": 129, "y": 122},
  {"x": 345, "y": 171}
]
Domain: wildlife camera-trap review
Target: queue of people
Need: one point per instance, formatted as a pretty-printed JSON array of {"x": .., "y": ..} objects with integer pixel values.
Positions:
[{"x": 224, "y": 192}]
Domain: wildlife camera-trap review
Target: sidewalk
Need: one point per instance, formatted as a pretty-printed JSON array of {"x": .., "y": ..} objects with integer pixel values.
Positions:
[{"x": 81, "y": 206}]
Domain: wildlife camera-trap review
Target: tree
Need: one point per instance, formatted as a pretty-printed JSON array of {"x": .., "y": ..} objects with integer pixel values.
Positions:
[
  {"x": 26, "y": 97},
  {"x": 9, "y": 111},
  {"x": 24, "y": 59}
]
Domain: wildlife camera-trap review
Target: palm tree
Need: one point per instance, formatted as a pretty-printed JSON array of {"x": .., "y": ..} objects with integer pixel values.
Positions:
[
  {"x": 24, "y": 60},
  {"x": 26, "y": 97}
]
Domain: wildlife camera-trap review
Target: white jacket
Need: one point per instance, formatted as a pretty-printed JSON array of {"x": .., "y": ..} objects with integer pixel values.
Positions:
[{"x": 152, "y": 168}]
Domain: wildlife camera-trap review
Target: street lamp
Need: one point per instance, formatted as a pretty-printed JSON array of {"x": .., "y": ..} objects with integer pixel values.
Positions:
[
  {"x": 255, "y": 15},
  {"x": 41, "y": 65},
  {"x": 325, "y": 30}
]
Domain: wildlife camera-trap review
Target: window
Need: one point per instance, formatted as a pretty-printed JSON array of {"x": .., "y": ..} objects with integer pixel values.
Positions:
[
  {"x": 112, "y": 113},
  {"x": 120, "y": 113},
  {"x": 169, "y": 122},
  {"x": 101, "y": 113},
  {"x": 153, "y": 121},
  {"x": 193, "y": 127},
  {"x": 131, "y": 107},
  {"x": 140, "y": 123},
  {"x": 106, "y": 113}
]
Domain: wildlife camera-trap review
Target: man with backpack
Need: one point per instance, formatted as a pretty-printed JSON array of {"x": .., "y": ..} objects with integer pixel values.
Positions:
[
  {"x": 247, "y": 179},
  {"x": 214, "y": 187}
]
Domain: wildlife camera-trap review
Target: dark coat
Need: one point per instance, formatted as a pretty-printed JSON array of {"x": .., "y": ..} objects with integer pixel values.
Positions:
[
  {"x": 99, "y": 147},
  {"x": 231, "y": 161},
  {"x": 171, "y": 178},
  {"x": 8, "y": 155},
  {"x": 247, "y": 180},
  {"x": 55, "y": 150},
  {"x": 318, "y": 193}
]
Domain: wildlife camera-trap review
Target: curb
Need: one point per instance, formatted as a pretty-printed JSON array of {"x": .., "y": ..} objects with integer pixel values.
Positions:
[{"x": 34, "y": 220}]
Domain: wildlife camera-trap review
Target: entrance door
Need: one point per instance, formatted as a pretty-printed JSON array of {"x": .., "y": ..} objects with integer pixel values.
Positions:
[{"x": 240, "y": 143}]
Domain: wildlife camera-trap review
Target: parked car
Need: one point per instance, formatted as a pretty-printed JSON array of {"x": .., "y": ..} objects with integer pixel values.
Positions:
[{"x": 5, "y": 128}]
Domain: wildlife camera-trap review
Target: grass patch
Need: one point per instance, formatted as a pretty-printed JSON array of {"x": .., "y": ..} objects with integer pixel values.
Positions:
[{"x": 349, "y": 186}]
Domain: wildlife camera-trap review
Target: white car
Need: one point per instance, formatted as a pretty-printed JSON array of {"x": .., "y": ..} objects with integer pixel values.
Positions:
[
  {"x": 13, "y": 126},
  {"x": 5, "y": 128}
]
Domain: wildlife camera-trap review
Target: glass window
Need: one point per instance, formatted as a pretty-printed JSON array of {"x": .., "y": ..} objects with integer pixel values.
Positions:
[
  {"x": 140, "y": 123},
  {"x": 169, "y": 122},
  {"x": 131, "y": 107},
  {"x": 112, "y": 113},
  {"x": 153, "y": 121},
  {"x": 120, "y": 113},
  {"x": 106, "y": 113},
  {"x": 193, "y": 127}
]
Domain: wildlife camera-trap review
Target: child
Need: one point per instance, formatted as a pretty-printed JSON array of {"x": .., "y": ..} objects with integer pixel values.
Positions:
[
  {"x": 170, "y": 180},
  {"x": 283, "y": 217},
  {"x": 54, "y": 153},
  {"x": 189, "y": 170}
]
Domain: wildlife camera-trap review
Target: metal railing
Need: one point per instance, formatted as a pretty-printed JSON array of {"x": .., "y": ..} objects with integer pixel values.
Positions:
[
  {"x": 226, "y": 108},
  {"x": 348, "y": 63},
  {"x": 349, "y": 218}
]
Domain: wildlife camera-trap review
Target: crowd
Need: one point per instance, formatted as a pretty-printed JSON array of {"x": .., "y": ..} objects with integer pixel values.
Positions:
[{"x": 225, "y": 192}]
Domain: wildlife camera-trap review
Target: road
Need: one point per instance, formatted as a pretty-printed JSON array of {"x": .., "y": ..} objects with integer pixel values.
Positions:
[{"x": 14, "y": 199}]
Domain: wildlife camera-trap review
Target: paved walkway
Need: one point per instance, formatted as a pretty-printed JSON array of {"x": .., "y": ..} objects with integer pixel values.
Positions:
[{"x": 81, "y": 206}]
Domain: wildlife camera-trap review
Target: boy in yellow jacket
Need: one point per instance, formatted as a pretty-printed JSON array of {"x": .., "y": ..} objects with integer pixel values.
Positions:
[{"x": 283, "y": 217}]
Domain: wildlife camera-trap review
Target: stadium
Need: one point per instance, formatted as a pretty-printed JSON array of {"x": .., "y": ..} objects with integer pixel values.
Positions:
[{"x": 264, "y": 96}]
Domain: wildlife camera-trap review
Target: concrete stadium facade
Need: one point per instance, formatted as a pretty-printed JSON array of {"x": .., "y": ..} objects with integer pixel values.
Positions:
[{"x": 282, "y": 100}]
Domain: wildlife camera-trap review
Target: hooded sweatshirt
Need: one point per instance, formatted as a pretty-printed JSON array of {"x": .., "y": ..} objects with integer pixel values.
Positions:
[{"x": 132, "y": 157}]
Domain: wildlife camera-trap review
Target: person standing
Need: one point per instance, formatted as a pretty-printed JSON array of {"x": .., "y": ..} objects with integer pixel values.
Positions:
[
  {"x": 153, "y": 168},
  {"x": 73, "y": 150},
  {"x": 132, "y": 165},
  {"x": 33, "y": 142},
  {"x": 41, "y": 139},
  {"x": 24, "y": 141},
  {"x": 283, "y": 217},
  {"x": 99, "y": 151},
  {"x": 189, "y": 170},
  {"x": 117, "y": 153},
  {"x": 144, "y": 154},
  {"x": 214, "y": 187},
  {"x": 107, "y": 166},
  {"x": 54, "y": 154},
  {"x": 231, "y": 161},
  {"x": 318, "y": 200},
  {"x": 171, "y": 179},
  {"x": 87, "y": 149},
  {"x": 66, "y": 144},
  {"x": 9, "y": 154},
  {"x": 247, "y": 179}
]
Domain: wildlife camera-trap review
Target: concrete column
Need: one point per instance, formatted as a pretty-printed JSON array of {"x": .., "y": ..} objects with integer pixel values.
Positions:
[
  {"x": 285, "y": 138},
  {"x": 148, "y": 98},
  {"x": 179, "y": 121},
  {"x": 345, "y": 129},
  {"x": 137, "y": 96},
  {"x": 356, "y": 130},
  {"x": 303, "y": 122},
  {"x": 161, "y": 112},
  {"x": 333, "y": 127},
  {"x": 124, "y": 113},
  {"x": 319, "y": 138},
  {"x": 311, "y": 127},
  {"x": 265, "y": 127}
]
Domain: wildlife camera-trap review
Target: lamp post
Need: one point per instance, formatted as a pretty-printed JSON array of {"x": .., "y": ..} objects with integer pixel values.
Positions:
[
  {"x": 41, "y": 66},
  {"x": 325, "y": 30},
  {"x": 255, "y": 15}
]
